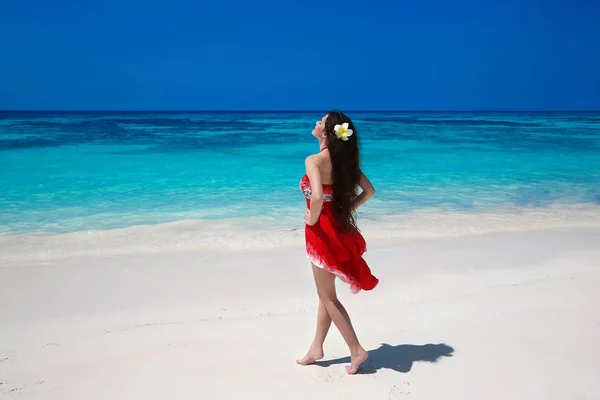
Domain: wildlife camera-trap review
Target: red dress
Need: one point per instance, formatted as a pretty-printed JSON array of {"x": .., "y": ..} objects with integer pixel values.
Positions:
[{"x": 330, "y": 248}]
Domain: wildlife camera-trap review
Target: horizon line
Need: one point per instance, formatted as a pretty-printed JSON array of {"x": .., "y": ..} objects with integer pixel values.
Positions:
[{"x": 507, "y": 110}]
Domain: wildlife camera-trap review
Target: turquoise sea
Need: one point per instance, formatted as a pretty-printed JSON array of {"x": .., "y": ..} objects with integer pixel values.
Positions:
[{"x": 75, "y": 175}]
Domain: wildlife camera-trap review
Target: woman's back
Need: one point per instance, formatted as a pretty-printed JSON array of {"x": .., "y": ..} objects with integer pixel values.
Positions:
[{"x": 325, "y": 167}]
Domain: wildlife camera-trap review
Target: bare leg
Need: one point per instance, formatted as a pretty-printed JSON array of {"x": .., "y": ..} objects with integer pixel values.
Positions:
[
  {"x": 316, "y": 348},
  {"x": 326, "y": 288},
  {"x": 315, "y": 352}
]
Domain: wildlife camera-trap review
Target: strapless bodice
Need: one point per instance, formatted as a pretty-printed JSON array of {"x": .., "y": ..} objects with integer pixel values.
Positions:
[{"x": 307, "y": 190}]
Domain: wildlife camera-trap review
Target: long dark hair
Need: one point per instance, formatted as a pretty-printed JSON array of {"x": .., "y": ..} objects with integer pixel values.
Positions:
[{"x": 345, "y": 161}]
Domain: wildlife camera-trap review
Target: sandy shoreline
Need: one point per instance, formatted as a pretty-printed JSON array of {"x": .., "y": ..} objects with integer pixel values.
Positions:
[
  {"x": 505, "y": 315},
  {"x": 268, "y": 234}
]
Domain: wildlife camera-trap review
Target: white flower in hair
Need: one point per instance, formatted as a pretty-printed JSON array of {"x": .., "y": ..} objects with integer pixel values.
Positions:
[{"x": 342, "y": 131}]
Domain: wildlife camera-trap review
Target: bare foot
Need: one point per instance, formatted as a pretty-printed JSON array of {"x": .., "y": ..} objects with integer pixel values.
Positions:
[
  {"x": 355, "y": 361},
  {"x": 312, "y": 356}
]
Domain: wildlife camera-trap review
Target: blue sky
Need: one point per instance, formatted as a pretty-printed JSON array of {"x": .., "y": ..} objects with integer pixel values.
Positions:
[{"x": 295, "y": 55}]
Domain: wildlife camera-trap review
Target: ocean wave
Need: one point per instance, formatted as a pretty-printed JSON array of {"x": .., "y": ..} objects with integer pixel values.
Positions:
[{"x": 260, "y": 233}]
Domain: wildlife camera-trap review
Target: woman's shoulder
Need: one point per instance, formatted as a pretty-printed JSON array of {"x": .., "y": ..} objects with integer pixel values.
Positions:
[
  {"x": 314, "y": 160},
  {"x": 317, "y": 159}
]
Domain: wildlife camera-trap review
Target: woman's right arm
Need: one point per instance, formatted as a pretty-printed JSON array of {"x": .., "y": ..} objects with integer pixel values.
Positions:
[{"x": 368, "y": 191}]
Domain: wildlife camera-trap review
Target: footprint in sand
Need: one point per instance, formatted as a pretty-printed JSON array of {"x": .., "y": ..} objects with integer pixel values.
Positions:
[
  {"x": 399, "y": 391},
  {"x": 326, "y": 377}
]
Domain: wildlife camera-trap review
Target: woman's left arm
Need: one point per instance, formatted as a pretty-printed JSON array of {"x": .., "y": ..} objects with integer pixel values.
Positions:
[{"x": 368, "y": 191}]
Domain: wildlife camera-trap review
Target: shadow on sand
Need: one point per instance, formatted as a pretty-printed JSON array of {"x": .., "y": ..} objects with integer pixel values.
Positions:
[{"x": 398, "y": 358}]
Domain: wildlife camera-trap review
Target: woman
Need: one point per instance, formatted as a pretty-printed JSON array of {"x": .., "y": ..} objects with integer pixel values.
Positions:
[{"x": 334, "y": 244}]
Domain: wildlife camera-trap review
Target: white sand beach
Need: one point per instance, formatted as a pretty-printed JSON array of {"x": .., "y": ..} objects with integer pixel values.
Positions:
[{"x": 513, "y": 315}]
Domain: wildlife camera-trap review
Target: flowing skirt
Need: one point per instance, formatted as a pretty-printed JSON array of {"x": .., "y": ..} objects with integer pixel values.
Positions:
[{"x": 339, "y": 252}]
